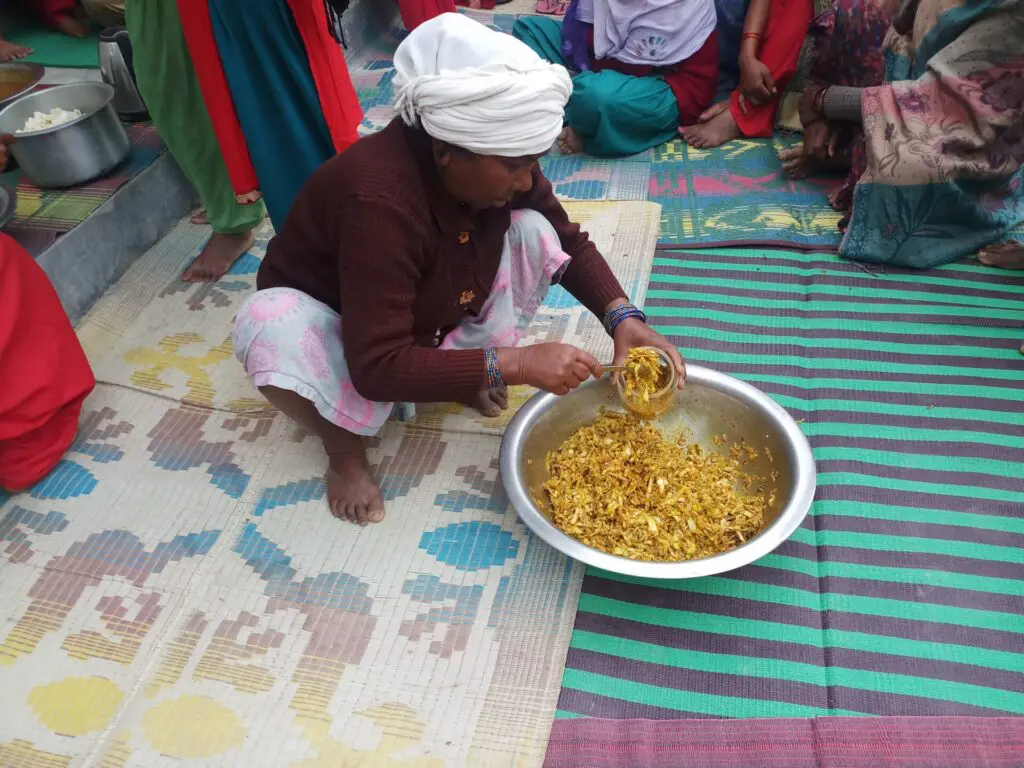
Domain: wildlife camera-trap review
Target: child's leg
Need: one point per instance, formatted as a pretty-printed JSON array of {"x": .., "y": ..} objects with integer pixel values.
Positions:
[{"x": 788, "y": 22}]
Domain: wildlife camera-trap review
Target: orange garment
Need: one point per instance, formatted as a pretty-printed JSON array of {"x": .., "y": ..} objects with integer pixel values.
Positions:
[
  {"x": 45, "y": 373},
  {"x": 781, "y": 41},
  {"x": 415, "y": 12}
]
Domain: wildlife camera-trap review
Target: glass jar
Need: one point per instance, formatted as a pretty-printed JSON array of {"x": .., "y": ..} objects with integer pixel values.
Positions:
[{"x": 661, "y": 401}]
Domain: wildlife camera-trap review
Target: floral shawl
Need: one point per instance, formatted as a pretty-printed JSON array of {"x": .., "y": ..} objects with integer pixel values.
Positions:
[{"x": 944, "y": 135}]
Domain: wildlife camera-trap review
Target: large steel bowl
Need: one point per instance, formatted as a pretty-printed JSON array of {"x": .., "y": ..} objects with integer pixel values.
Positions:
[
  {"x": 18, "y": 78},
  {"x": 71, "y": 153},
  {"x": 711, "y": 404}
]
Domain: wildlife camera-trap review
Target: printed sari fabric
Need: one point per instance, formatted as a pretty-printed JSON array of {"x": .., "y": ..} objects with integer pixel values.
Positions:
[{"x": 943, "y": 135}]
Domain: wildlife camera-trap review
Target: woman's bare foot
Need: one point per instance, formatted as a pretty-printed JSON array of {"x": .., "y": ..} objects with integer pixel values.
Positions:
[
  {"x": 491, "y": 402},
  {"x": 1008, "y": 254},
  {"x": 352, "y": 493},
  {"x": 569, "y": 142},
  {"x": 715, "y": 127},
  {"x": 217, "y": 256},
  {"x": 200, "y": 217},
  {"x": 10, "y": 51},
  {"x": 796, "y": 164},
  {"x": 70, "y": 26}
]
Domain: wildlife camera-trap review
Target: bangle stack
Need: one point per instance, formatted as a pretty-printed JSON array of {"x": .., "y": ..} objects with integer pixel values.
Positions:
[
  {"x": 614, "y": 316},
  {"x": 494, "y": 380},
  {"x": 818, "y": 102}
]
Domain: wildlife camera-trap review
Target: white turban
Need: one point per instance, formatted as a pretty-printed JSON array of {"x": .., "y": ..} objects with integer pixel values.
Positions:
[{"x": 479, "y": 89}]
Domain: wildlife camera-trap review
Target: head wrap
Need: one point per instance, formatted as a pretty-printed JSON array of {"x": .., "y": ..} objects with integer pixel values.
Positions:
[
  {"x": 479, "y": 89},
  {"x": 656, "y": 33}
]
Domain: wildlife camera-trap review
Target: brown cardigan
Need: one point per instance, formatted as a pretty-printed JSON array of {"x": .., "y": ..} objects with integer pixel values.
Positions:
[{"x": 375, "y": 236}]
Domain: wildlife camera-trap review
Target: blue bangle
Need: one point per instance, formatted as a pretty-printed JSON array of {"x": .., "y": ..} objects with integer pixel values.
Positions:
[
  {"x": 614, "y": 316},
  {"x": 494, "y": 380}
]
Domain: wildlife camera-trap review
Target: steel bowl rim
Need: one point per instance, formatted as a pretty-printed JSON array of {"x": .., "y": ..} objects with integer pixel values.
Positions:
[
  {"x": 38, "y": 73},
  {"x": 109, "y": 90},
  {"x": 788, "y": 520}
]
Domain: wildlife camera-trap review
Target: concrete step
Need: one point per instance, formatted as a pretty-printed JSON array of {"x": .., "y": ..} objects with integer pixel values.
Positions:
[{"x": 86, "y": 261}]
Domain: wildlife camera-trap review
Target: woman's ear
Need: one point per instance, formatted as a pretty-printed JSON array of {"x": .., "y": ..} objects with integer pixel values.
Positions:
[{"x": 442, "y": 152}]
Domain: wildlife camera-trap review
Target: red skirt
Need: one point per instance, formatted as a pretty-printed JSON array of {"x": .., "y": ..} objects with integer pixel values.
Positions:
[{"x": 45, "y": 373}]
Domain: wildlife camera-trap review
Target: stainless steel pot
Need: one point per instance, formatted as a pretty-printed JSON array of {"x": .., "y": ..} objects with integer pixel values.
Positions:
[
  {"x": 712, "y": 403},
  {"x": 73, "y": 153}
]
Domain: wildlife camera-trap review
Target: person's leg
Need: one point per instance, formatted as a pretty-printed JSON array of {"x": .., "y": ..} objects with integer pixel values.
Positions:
[
  {"x": 275, "y": 96},
  {"x": 612, "y": 115},
  {"x": 107, "y": 13},
  {"x": 785, "y": 31},
  {"x": 167, "y": 81},
  {"x": 290, "y": 346}
]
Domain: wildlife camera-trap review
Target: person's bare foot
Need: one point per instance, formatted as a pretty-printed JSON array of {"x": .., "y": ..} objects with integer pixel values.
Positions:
[
  {"x": 491, "y": 402},
  {"x": 714, "y": 128},
  {"x": 200, "y": 217},
  {"x": 217, "y": 256},
  {"x": 1008, "y": 254},
  {"x": 352, "y": 493},
  {"x": 796, "y": 164},
  {"x": 72, "y": 27},
  {"x": 10, "y": 51},
  {"x": 569, "y": 142}
]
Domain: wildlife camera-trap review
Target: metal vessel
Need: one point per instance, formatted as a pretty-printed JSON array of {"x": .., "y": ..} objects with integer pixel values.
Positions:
[
  {"x": 118, "y": 71},
  {"x": 710, "y": 404},
  {"x": 72, "y": 153}
]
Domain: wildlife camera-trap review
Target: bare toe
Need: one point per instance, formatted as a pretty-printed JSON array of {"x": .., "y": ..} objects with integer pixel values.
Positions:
[{"x": 352, "y": 489}]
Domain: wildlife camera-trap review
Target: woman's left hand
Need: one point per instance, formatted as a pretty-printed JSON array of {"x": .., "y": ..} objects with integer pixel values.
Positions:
[{"x": 634, "y": 332}]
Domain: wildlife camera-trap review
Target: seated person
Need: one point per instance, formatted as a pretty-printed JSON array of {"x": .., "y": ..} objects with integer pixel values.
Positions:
[
  {"x": 769, "y": 52},
  {"x": 411, "y": 263},
  {"x": 46, "y": 375},
  {"x": 935, "y": 146},
  {"x": 644, "y": 69}
]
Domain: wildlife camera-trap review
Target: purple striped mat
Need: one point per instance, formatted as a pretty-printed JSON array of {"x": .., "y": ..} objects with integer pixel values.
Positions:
[{"x": 826, "y": 742}]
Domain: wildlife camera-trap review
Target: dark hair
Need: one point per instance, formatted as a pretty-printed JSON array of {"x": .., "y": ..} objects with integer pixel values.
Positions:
[{"x": 335, "y": 8}]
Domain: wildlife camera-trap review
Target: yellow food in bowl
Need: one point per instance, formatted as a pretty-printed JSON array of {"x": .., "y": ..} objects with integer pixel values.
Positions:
[{"x": 620, "y": 486}]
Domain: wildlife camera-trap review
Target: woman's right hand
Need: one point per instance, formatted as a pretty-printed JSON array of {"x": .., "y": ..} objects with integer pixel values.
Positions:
[{"x": 553, "y": 367}]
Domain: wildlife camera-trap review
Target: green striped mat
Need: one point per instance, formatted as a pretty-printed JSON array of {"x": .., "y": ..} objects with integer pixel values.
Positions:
[{"x": 903, "y": 592}]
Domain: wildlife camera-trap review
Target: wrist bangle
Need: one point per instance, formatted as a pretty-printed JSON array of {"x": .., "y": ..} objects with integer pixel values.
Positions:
[
  {"x": 494, "y": 380},
  {"x": 614, "y": 316},
  {"x": 819, "y": 101},
  {"x": 751, "y": 36}
]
